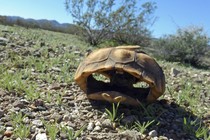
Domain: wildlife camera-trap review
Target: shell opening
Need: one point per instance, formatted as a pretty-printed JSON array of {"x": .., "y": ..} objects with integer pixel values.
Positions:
[
  {"x": 141, "y": 85},
  {"x": 124, "y": 83},
  {"x": 100, "y": 77}
]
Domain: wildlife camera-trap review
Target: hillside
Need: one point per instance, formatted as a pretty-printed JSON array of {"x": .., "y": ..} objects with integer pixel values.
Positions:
[
  {"x": 39, "y": 99},
  {"x": 51, "y": 25}
]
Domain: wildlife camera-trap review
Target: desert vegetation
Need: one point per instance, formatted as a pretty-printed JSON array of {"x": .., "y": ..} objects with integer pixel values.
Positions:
[{"x": 40, "y": 100}]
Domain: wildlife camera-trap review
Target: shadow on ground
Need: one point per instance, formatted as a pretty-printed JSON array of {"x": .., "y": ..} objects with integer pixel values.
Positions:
[{"x": 168, "y": 119}]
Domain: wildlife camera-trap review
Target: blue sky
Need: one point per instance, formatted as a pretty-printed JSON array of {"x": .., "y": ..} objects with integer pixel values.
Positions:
[{"x": 171, "y": 14}]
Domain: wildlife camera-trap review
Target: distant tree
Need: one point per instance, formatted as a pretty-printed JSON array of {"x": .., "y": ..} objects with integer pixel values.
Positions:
[
  {"x": 188, "y": 45},
  {"x": 3, "y": 20},
  {"x": 124, "y": 20}
]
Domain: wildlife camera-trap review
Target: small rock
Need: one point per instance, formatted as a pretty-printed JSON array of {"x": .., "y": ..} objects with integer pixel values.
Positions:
[
  {"x": 3, "y": 41},
  {"x": 37, "y": 123},
  {"x": 98, "y": 123},
  {"x": 97, "y": 128},
  {"x": 90, "y": 114},
  {"x": 9, "y": 128},
  {"x": 10, "y": 71},
  {"x": 66, "y": 117},
  {"x": 56, "y": 69},
  {"x": 1, "y": 113},
  {"x": 131, "y": 134},
  {"x": 129, "y": 120},
  {"x": 90, "y": 126},
  {"x": 26, "y": 120},
  {"x": 174, "y": 72},
  {"x": 41, "y": 136},
  {"x": 56, "y": 117},
  {"x": 63, "y": 135},
  {"x": 78, "y": 53},
  {"x": 39, "y": 102},
  {"x": 81, "y": 97},
  {"x": 163, "y": 138},
  {"x": 155, "y": 138},
  {"x": 153, "y": 133},
  {"x": 55, "y": 86},
  {"x": 107, "y": 123},
  {"x": 18, "y": 104},
  {"x": 199, "y": 81},
  {"x": 8, "y": 133}
]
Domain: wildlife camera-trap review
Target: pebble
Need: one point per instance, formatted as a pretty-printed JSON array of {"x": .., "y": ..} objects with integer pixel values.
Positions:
[
  {"x": 174, "y": 72},
  {"x": 155, "y": 138},
  {"x": 26, "y": 120},
  {"x": 153, "y": 133},
  {"x": 76, "y": 110},
  {"x": 90, "y": 114},
  {"x": 90, "y": 126},
  {"x": 3, "y": 41},
  {"x": 129, "y": 120},
  {"x": 98, "y": 123},
  {"x": 163, "y": 138},
  {"x": 8, "y": 133},
  {"x": 107, "y": 123},
  {"x": 97, "y": 128},
  {"x": 9, "y": 128},
  {"x": 37, "y": 123},
  {"x": 1, "y": 113},
  {"x": 39, "y": 102},
  {"x": 130, "y": 134},
  {"x": 66, "y": 117},
  {"x": 18, "y": 104},
  {"x": 56, "y": 69},
  {"x": 41, "y": 136}
]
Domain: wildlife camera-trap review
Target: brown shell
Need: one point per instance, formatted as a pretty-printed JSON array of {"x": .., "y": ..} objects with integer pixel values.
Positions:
[{"x": 123, "y": 58}]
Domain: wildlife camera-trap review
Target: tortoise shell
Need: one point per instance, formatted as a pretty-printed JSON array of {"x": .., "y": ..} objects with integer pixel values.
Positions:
[{"x": 124, "y": 66}]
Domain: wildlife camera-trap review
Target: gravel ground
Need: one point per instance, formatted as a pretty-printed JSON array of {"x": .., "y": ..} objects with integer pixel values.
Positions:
[{"x": 74, "y": 110}]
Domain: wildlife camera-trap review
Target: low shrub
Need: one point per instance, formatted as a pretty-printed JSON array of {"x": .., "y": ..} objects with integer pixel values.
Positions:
[{"x": 189, "y": 45}]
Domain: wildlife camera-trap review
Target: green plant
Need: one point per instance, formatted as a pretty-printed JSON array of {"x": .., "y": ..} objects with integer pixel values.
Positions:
[
  {"x": 189, "y": 45},
  {"x": 142, "y": 127},
  {"x": 202, "y": 132},
  {"x": 150, "y": 110},
  {"x": 194, "y": 127},
  {"x": 52, "y": 129},
  {"x": 58, "y": 97},
  {"x": 22, "y": 131},
  {"x": 188, "y": 96},
  {"x": 72, "y": 135},
  {"x": 112, "y": 115},
  {"x": 31, "y": 93},
  {"x": 48, "y": 96},
  {"x": 12, "y": 81},
  {"x": 17, "y": 118},
  {"x": 103, "y": 20}
]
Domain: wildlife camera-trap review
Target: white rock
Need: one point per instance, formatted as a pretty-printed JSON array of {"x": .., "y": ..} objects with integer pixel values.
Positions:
[
  {"x": 98, "y": 123},
  {"x": 153, "y": 133},
  {"x": 9, "y": 128},
  {"x": 67, "y": 117},
  {"x": 41, "y": 136},
  {"x": 90, "y": 126},
  {"x": 37, "y": 123},
  {"x": 26, "y": 120},
  {"x": 155, "y": 138},
  {"x": 56, "y": 69},
  {"x": 97, "y": 128},
  {"x": 107, "y": 123}
]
